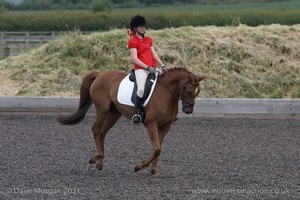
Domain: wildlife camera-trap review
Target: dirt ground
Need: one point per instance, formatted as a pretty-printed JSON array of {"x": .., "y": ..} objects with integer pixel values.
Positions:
[{"x": 201, "y": 159}]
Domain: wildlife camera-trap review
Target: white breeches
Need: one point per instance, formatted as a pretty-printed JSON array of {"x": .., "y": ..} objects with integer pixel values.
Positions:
[{"x": 141, "y": 77}]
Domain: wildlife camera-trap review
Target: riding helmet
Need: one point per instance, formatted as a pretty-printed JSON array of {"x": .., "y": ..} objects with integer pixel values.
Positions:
[{"x": 137, "y": 21}]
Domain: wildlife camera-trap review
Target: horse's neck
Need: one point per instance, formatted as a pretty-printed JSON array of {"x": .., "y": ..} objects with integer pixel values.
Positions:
[
  {"x": 173, "y": 78},
  {"x": 170, "y": 83},
  {"x": 168, "y": 90}
]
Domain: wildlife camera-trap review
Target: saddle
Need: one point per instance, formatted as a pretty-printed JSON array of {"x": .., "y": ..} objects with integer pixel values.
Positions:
[{"x": 128, "y": 88}]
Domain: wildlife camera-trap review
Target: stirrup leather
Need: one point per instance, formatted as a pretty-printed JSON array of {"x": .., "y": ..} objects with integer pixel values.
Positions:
[{"x": 135, "y": 117}]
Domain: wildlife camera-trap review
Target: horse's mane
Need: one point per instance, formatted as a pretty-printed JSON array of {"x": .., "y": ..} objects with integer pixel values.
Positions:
[{"x": 169, "y": 70}]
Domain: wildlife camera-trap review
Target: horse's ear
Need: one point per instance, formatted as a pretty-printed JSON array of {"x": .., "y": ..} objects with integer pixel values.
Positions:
[
  {"x": 193, "y": 77},
  {"x": 201, "y": 77}
]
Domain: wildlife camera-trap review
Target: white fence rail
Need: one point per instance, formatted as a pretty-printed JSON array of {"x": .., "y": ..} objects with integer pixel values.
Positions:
[
  {"x": 204, "y": 107},
  {"x": 14, "y": 43}
]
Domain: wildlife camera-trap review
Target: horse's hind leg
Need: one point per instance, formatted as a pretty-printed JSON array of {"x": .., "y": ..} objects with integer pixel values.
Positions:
[
  {"x": 102, "y": 125},
  {"x": 98, "y": 136}
]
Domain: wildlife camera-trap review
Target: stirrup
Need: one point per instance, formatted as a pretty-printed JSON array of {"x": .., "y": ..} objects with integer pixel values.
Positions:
[{"x": 135, "y": 118}]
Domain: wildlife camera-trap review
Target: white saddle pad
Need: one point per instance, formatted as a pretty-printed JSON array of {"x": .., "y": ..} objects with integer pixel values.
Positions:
[{"x": 125, "y": 91}]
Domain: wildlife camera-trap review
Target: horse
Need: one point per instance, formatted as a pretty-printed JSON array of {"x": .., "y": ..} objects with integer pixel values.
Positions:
[{"x": 161, "y": 111}]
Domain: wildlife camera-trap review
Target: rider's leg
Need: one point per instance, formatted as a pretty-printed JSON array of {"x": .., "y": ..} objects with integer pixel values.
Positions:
[
  {"x": 141, "y": 76},
  {"x": 137, "y": 119}
]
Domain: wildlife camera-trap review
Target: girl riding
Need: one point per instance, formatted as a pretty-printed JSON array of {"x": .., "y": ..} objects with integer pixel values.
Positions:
[{"x": 144, "y": 58}]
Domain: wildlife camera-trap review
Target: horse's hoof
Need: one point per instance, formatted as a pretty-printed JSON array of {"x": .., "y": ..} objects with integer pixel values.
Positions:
[
  {"x": 99, "y": 166},
  {"x": 137, "y": 168},
  {"x": 154, "y": 173},
  {"x": 92, "y": 160}
]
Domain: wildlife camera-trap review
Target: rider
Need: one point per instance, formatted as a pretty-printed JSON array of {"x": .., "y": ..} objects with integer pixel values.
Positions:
[{"x": 144, "y": 58}]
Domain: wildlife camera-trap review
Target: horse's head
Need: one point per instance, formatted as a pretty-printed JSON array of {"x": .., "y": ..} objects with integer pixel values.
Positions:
[
  {"x": 187, "y": 86},
  {"x": 188, "y": 91}
]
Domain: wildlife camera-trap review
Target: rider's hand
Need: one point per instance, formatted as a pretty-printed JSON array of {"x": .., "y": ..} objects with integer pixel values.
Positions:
[
  {"x": 151, "y": 69},
  {"x": 163, "y": 67}
]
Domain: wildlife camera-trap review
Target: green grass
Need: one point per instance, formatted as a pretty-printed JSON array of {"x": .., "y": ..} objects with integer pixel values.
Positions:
[
  {"x": 190, "y": 8},
  {"x": 254, "y": 14},
  {"x": 84, "y": 21}
]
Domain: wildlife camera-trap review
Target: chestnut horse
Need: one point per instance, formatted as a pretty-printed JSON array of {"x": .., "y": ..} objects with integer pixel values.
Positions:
[{"x": 160, "y": 112}]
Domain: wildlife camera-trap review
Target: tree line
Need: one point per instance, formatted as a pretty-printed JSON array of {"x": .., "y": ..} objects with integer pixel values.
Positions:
[{"x": 100, "y": 5}]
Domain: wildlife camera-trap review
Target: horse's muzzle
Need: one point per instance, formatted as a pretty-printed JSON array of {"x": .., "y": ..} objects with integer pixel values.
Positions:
[{"x": 187, "y": 110}]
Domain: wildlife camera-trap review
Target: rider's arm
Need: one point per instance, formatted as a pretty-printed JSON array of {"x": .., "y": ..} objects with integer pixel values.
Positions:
[
  {"x": 156, "y": 58},
  {"x": 133, "y": 55}
]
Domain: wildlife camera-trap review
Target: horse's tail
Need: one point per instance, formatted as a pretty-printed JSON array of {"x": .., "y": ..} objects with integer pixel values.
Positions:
[{"x": 84, "y": 103}]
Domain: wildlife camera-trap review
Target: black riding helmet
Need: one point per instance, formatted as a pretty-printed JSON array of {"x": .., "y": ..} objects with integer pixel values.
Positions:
[{"x": 137, "y": 21}]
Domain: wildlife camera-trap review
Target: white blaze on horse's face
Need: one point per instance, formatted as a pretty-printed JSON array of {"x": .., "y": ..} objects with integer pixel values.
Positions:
[{"x": 197, "y": 90}]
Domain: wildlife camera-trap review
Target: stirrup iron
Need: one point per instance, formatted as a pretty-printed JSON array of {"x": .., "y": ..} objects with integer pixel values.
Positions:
[{"x": 135, "y": 121}]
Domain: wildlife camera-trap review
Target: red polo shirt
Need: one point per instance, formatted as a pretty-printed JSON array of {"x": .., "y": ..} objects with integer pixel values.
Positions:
[{"x": 143, "y": 50}]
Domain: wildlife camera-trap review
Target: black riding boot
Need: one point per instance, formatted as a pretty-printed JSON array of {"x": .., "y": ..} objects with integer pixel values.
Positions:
[{"x": 137, "y": 119}]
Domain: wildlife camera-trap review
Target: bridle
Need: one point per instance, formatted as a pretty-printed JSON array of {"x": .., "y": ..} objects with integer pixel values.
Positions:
[
  {"x": 181, "y": 94},
  {"x": 183, "y": 90}
]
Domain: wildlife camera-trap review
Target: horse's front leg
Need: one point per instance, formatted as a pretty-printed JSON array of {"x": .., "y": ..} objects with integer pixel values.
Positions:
[
  {"x": 162, "y": 132},
  {"x": 153, "y": 134}
]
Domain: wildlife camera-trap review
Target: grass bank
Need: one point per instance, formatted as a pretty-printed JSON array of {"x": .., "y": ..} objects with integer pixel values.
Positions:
[{"x": 239, "y": 62}]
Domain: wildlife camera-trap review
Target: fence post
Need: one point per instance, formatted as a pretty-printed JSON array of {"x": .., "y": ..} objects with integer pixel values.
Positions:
[
  {"x": 6, "y": 51},
  {"x": 2, "y": 37},
  {"x": 27, "y": 39}
]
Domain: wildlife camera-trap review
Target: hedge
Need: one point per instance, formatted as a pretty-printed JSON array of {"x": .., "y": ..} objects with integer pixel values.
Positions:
[{"x": 88, "y": 21}]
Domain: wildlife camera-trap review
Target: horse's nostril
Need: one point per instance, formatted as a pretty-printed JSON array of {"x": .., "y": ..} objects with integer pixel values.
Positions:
[{"x": 187, "y": 112}]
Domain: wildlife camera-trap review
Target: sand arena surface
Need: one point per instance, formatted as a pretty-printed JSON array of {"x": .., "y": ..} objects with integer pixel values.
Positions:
[{"x": 201, "y": 159}]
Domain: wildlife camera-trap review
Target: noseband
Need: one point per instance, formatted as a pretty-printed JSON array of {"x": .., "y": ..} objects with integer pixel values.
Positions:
[{"x": 183, "y": 89}]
